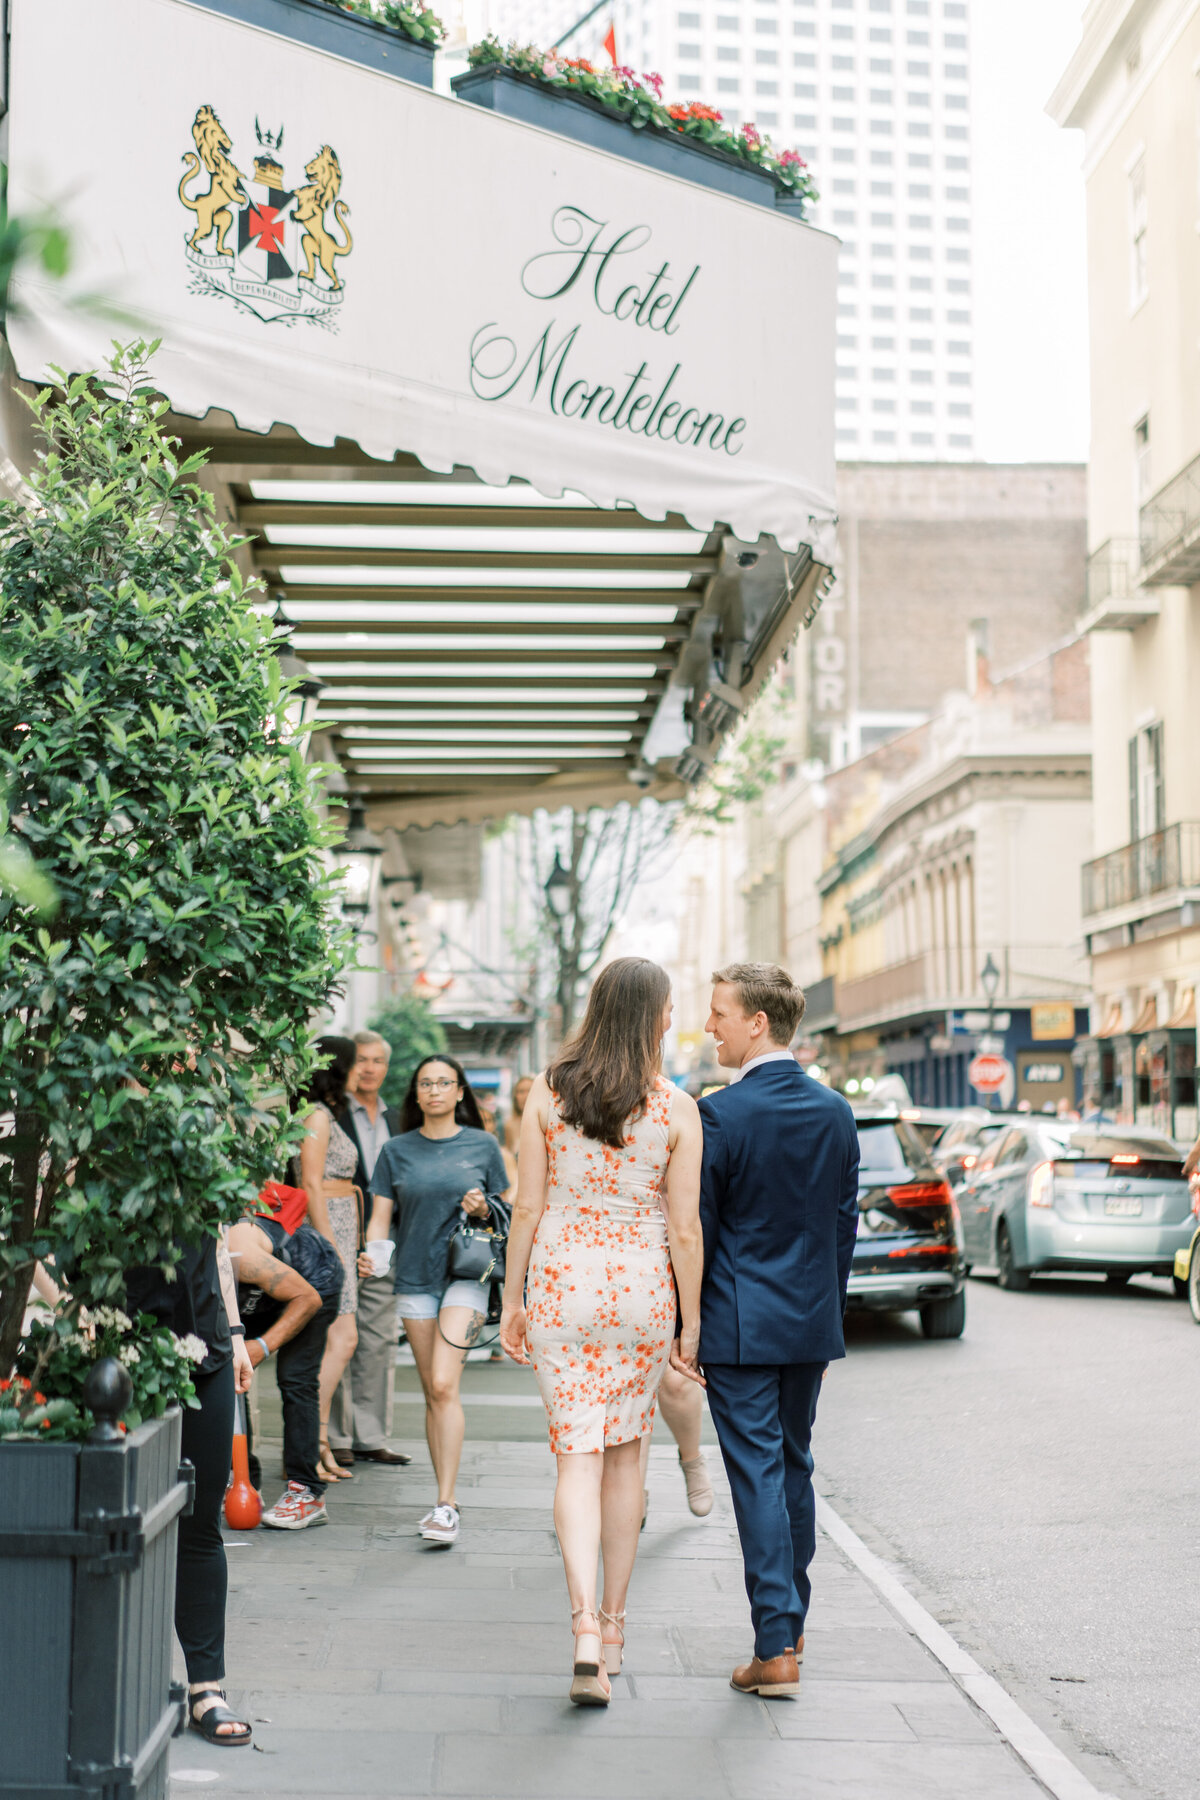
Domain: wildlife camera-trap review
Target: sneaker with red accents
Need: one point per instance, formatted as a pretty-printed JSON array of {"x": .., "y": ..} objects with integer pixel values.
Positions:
[{"x": 296, "y": 1509}]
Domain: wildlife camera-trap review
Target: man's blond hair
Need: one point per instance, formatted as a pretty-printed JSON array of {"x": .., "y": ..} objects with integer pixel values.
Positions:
[{"x": 766, "y": 988}]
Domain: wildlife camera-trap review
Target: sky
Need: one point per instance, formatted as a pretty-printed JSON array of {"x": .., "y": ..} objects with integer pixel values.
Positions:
[{"x": 1030, "y": 285}]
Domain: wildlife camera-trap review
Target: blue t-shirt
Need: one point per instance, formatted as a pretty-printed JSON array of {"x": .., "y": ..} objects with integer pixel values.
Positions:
[{"x": 425, "y": 1179}]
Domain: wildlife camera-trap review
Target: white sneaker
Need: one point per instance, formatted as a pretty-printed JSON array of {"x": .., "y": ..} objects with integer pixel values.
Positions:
[
  {"x": 428, "y": 1519},
  {"x": 442, "y": 1527},
  {"x": 296, "y": 1508}
]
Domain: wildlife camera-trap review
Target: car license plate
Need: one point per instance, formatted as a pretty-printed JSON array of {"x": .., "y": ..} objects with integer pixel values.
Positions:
[{"x": 1123, "y": 1209}]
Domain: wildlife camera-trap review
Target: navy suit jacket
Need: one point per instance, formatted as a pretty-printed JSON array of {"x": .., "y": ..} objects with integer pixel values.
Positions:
[{"x": 779, "y": 1208}]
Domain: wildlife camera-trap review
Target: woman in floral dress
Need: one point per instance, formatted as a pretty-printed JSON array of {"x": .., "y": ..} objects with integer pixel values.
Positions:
[{"x": 607, "y": 1226}]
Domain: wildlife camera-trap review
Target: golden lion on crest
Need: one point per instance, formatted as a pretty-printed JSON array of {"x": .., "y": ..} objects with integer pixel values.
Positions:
[
  {"x": 312, "y": 203},
  {"x": 225, "y": 189}
]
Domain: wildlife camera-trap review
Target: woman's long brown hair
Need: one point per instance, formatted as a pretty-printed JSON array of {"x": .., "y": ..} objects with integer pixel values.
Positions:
[{"x": 604, "y": 1074}]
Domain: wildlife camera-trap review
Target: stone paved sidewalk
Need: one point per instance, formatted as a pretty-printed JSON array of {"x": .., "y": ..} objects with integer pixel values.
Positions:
[{"x": 374, "y": 1666}]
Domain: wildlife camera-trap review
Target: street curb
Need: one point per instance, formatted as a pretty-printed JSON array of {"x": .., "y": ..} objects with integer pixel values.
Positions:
[{"x": 1056, "y": 1772}]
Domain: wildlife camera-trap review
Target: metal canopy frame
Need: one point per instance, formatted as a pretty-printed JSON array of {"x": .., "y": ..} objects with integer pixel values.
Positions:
[{"x": 468, "y": 675}]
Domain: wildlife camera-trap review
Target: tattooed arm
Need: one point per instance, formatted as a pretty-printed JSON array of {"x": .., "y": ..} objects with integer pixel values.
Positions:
[{"x": 258, "y": 1268}]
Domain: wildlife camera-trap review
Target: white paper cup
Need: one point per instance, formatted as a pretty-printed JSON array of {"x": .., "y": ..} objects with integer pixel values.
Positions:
[{"x": 380, "y": 1252}]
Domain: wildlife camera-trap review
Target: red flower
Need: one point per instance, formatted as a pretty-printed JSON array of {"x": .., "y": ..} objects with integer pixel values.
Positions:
[
  {"x": 45, "y": 1424},
  {"x": 4, "y": 1386},
  {"x": 39, "y": 1399}
]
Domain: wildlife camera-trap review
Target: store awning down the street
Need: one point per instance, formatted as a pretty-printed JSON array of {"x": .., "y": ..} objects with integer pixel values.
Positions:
[{"x": 532, "y": 446}]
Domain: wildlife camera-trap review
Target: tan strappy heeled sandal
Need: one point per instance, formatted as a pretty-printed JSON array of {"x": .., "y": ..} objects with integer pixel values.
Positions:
[
  {"x": 586, "y": 1686},
  {"x": 613, "y": 1653}
]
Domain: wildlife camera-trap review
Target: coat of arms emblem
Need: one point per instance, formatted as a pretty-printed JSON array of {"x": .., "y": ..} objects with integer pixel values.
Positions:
[{"x": 270, "y": 248}]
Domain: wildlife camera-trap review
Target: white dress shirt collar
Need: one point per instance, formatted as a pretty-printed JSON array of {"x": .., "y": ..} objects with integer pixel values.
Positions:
[{"x": 756, "y": 1062}]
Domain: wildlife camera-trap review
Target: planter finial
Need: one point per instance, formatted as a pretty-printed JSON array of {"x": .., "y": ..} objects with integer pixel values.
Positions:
[{"x": 107, "y": 1392}]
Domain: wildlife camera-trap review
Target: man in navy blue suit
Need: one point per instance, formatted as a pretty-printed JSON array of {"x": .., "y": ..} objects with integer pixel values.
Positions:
[{"x": 779, "y": 1207}]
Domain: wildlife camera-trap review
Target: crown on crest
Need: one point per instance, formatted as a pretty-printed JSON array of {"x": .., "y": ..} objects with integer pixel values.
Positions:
[{"x": 267, "y": 168}]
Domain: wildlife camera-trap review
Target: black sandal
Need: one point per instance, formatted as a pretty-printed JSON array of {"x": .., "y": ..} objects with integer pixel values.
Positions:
[{"x": 207, "y": 1722}]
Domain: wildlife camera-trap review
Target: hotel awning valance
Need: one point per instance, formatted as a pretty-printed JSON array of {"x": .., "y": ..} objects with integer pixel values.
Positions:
[{"x": 534, "y": 444}]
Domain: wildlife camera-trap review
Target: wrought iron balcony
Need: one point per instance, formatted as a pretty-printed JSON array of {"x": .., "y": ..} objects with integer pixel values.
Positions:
[
  {"x": 1170, "y": 531},
  {"x": 1157, "y": 864},
  {"x": 1115, "y": 601},
  {"x": 946, "y": 980}
]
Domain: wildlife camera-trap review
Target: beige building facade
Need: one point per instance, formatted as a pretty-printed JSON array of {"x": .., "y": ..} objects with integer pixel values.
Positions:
[{"x": 1133, "y": 87}]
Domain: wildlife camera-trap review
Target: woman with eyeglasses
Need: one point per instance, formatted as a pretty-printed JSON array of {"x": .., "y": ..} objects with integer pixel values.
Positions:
[{"x": 442, "y": 1165}]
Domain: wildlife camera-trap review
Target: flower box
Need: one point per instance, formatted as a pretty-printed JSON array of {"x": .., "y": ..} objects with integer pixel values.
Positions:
[
  {"x": 87, "y": 1571},
  {"x": 347, "y": 34},
  {"x": 589, "y": 121}
]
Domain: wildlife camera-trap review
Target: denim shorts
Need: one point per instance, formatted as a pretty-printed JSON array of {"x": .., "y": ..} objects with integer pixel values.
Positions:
[{"x": 459, "y": 1293}]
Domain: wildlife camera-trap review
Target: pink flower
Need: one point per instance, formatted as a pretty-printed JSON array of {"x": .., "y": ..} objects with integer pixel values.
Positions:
[
  {"x": 550, "y": 67},
  {"x": 655, "y": 82}
]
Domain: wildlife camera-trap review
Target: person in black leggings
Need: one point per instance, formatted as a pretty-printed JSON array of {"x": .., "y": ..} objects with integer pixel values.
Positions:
[{"x": 196, "y": 1302}]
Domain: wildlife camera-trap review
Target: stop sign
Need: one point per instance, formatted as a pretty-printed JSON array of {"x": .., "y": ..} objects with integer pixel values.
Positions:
[{"x": 987, "y": 1074}]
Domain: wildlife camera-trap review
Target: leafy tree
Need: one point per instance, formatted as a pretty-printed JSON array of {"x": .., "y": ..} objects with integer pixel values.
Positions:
[
  {"x": 747, "y": 766},
  {"x": 413, "y": 1032},
  {"x": 604, "y": 854},
  {"x": 148, "y": 1023}
]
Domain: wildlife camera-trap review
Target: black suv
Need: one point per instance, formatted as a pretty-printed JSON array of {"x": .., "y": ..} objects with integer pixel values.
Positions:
[{"x": 909, "y": 1252}]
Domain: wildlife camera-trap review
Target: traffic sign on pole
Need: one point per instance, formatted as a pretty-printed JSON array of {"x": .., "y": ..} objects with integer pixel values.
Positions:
[{"x": 988, "y": 1073}]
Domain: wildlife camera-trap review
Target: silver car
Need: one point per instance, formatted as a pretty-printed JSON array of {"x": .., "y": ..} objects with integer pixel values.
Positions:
[{"x": 1050, "y": 1195}]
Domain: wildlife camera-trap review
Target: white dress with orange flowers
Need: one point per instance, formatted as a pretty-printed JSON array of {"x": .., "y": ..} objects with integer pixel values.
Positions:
[{"x": 600, "y": 1301}]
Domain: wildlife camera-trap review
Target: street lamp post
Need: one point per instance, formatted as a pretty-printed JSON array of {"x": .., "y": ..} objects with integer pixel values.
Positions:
[
  {"x": 989, "y": 977},
  {"x": 560, "y": 897},
  {"x": 558, "y": 889}
]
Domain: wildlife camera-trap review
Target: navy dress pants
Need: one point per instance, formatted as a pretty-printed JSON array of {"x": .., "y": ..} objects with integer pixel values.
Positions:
[{"x": 764, "y": 1419}]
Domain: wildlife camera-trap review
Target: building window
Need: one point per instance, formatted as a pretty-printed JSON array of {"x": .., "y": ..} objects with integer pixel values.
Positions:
[
  {"x": 766, "y": 88},
  {"x": 689, "y": 84},
  {"x": 844, "y": 94},
  {"x": 689, "y": 21},
  {"x": 768, "y": 118},
  {"x": 959, "y": 410},
  {"x": 955, "y": 71},
  {"x": 1138, "y": 224},
  {"x": 803, "y": 59},
  {"x": 804, "y": 90},
  {"x": 800, "y": 27},
  {"x": 844, "y": 64},
  {"x": 883, "y": 374},
  {"x": 921, "y": 375},
  {"x": 884, "y": 343},
  {"x": 728, "y": 53},
  {"x": 768, "y": 27},
  {"x": 921, "y": 408},
  {"x": 1147, "y": 793},
  {"x": 767, "y": 57},
  {"x": 726, "y": 23},
  {"x": 883, "y": 406},
  {"x": 844, "y": 216},
  {"x": 689, "y": 51},
  {"x": 921, "y": 346},
  {"x": 960, "y": 442},
  {"x": 881, "y": 96},
  {"x": 920, "y": 221},
  {"x": 881, "y": 65},
  {"x": 880, "y": 220},
  {"x": 883, "y": 437}
]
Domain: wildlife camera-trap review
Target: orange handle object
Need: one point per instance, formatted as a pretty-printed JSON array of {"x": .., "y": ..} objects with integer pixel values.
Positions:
[{"x": 243, "y": 1503}]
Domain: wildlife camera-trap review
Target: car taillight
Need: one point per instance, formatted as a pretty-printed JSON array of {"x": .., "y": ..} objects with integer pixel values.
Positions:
[
  {"x": 1041, "y": 1184},
  {"x": 921, "y": 1193},
  {"x": 1128, "y": 1161}
]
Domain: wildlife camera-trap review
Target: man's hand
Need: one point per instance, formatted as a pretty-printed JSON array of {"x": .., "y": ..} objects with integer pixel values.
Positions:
[
  {"x": 685, "y": 1356},
  {"x": 514, "y": 1339},
  {"x": 475, "y": 1204},
  {"x": 243, "y": 1365}
]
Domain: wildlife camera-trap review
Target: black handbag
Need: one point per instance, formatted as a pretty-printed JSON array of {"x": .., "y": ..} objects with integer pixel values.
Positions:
[{"x": 476, "y": 1249}]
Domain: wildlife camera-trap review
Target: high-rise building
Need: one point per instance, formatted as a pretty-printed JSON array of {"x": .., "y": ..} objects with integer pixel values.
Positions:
[{"x": 875, "y": 94}]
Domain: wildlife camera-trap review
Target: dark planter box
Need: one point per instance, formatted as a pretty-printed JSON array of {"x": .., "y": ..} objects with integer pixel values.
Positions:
[
  {"x": 359, "y": 40},
  {"x": 87, "y": 1594},
  {"x": 580, "y": 117}
]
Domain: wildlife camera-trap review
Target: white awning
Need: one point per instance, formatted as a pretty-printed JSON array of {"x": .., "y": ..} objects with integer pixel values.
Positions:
[{"x": 509, "y": 421}]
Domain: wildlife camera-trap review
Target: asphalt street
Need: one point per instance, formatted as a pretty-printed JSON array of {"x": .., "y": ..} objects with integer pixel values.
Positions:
[{"x": 1037, "y": 1484}]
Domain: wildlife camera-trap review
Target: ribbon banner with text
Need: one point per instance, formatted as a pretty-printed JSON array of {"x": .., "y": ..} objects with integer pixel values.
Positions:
[{"x": 321, "y": 246}]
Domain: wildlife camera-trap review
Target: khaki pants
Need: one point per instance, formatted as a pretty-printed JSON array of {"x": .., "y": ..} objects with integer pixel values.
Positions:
[{"x": 361, "y": 1414}]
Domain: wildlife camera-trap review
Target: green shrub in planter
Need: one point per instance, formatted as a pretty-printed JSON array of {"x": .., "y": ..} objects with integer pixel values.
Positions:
[{"x": 148, "y": 772}]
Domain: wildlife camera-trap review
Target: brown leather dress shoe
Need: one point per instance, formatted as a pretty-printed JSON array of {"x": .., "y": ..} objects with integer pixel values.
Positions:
[
  {"x": 343, "y": 1458},
  {"x": 775, "y": 1678},
  {"x": 394, "y": 1459}
]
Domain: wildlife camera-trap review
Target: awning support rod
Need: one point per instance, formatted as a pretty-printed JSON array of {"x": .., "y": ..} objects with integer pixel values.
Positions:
[{"x": 580, "y": 23}]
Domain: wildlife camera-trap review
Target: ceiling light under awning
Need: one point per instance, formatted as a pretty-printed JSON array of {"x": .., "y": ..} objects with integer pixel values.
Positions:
[
  {"x": 474, "y": 715},
  {"x": 456, "y": 769},
  {"x": 484, "y": 540},
  {"x": 470, "y": 734},
  {"x": 483, "y": 612},
  {"x": 473, "y": 640},
  {"x": 488, "y": 671},
  {"x": 335, "y": 693},
  {"x": 362, "y": 753},
  {"x": 411, "y": 493},
  {"x": 409, "y": 575}
]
